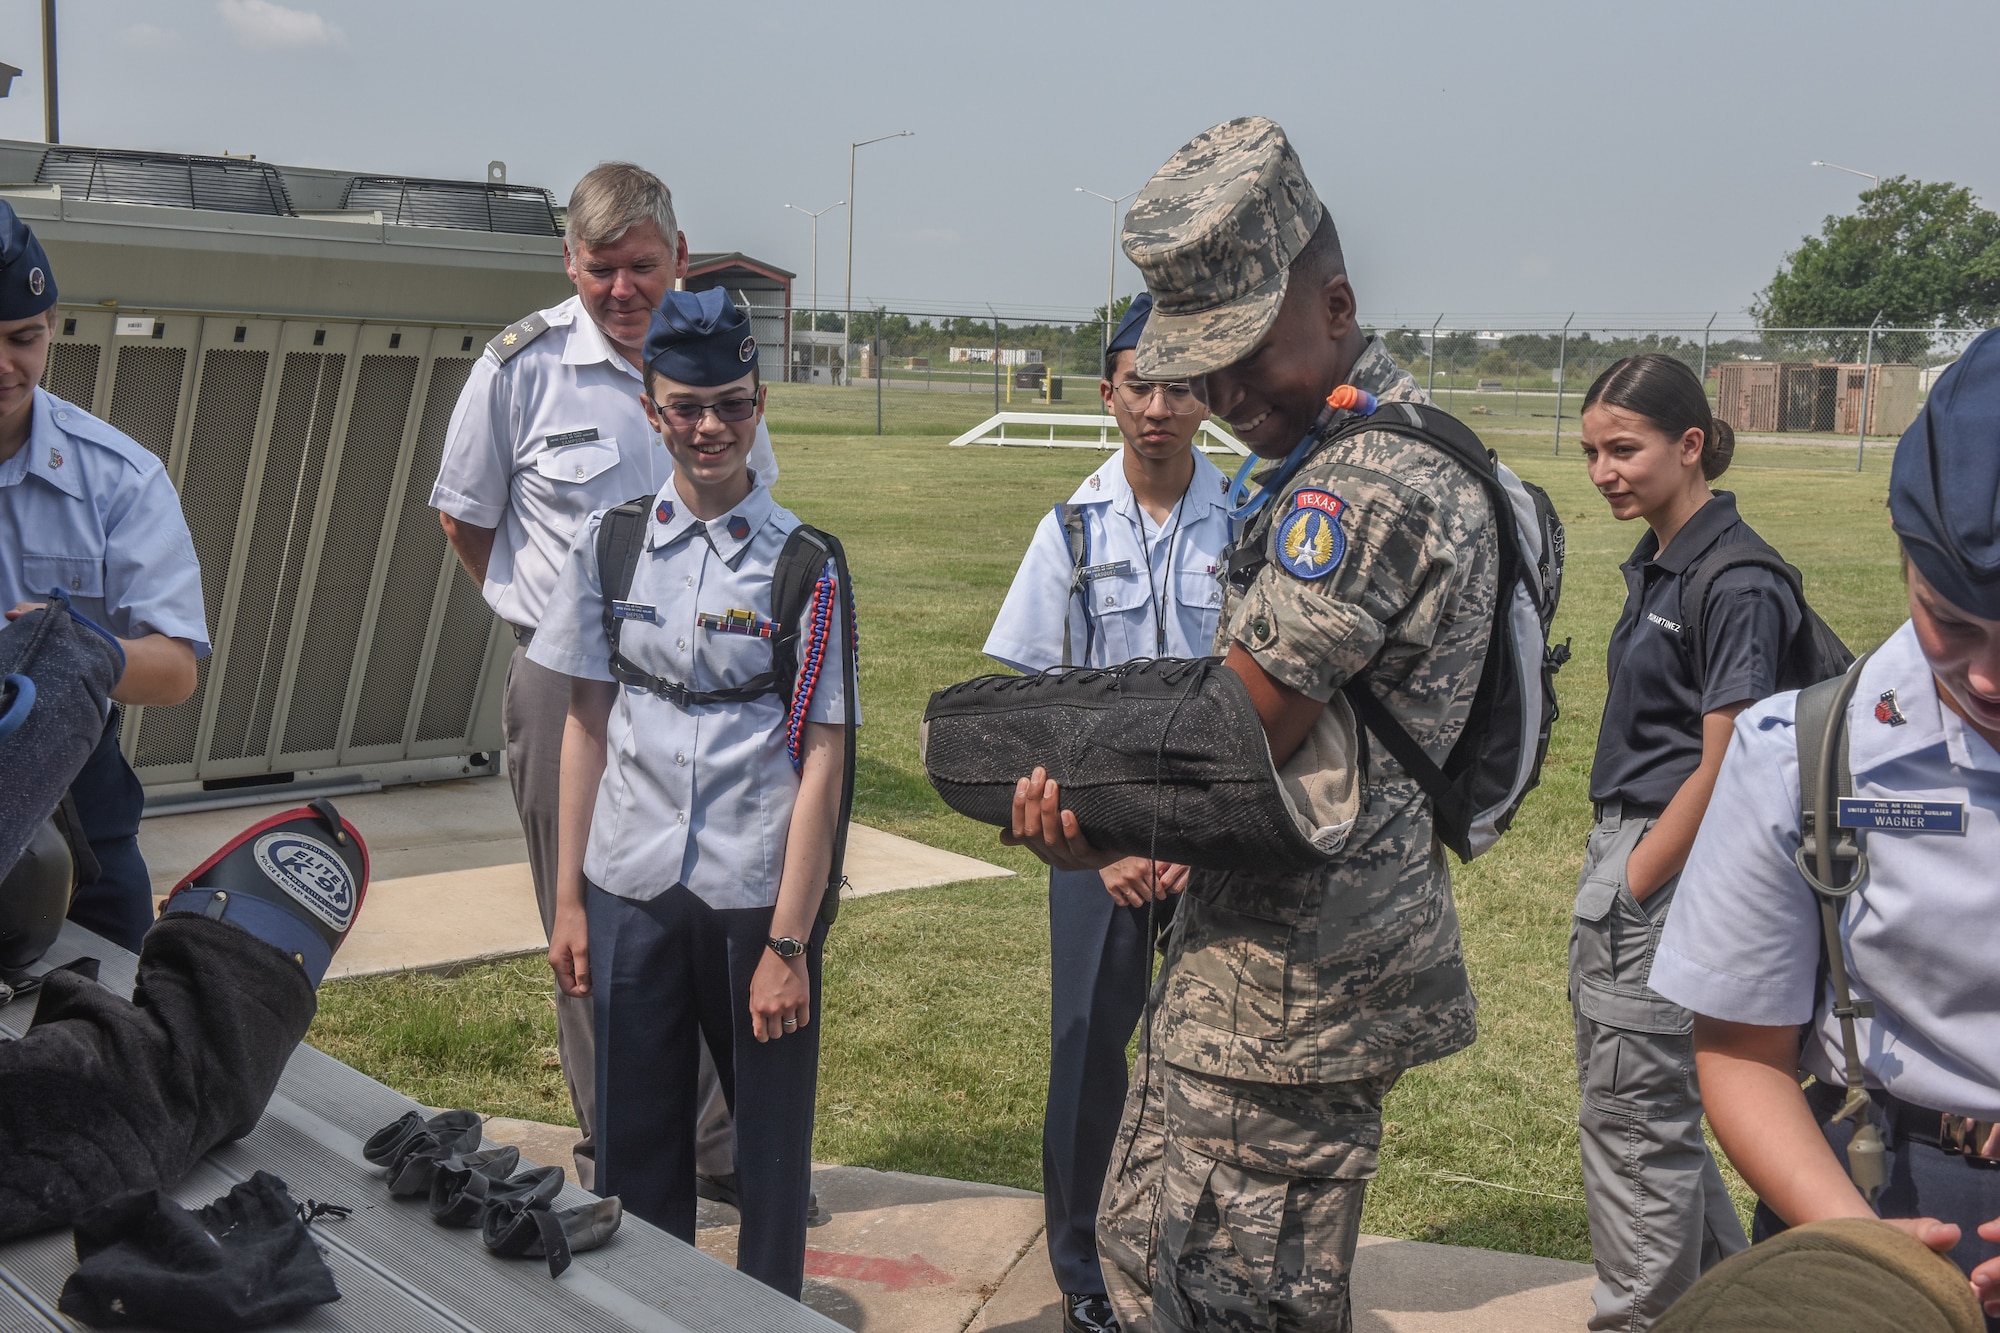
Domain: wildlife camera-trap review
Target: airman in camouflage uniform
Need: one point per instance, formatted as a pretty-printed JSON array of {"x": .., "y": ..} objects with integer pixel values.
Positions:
[{"x": 1290, "y": 1004}]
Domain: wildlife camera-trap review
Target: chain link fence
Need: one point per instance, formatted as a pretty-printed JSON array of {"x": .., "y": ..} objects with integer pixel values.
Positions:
[{"x": 915, "y": 371}]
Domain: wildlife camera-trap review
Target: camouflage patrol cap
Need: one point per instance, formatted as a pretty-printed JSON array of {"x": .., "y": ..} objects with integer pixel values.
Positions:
[{"x": 1215, "y": 232}]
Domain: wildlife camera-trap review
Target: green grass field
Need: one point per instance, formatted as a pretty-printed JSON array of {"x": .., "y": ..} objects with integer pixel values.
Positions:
[{"x": 934, "y": 1049}]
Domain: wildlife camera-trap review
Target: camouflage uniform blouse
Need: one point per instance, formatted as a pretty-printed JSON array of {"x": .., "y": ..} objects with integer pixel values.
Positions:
[{"x": 1352, "y": 970}]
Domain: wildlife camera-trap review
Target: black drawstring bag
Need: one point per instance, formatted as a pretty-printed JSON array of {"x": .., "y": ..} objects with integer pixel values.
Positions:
[{"x": 244, "y": 1261}]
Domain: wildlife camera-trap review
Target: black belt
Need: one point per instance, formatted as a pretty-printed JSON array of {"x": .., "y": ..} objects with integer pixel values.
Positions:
[
  {"x": 1625, "y": 809},
  {"x": 522, "y": 634},
  {"x": 1974, "y": 1141}
]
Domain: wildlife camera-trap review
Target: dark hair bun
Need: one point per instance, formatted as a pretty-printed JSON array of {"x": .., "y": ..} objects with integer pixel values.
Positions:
[{"x": 1718, "y": 449}]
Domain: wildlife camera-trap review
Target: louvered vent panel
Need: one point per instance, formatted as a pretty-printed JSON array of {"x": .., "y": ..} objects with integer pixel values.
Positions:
[
  {"x": 455, "y": 670},
  {"x": 147, "y": 394},
  {"x": 347, "y": 557},
  {"x": 281, "y": 526},
  {"x": 219, "y": 447},
  {"x": 397, "y": 643},
  {"x": 71, "y": 374}
]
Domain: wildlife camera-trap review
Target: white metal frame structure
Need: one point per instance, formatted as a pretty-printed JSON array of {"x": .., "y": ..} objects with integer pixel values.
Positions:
[{"x": 1213, "y": 438}]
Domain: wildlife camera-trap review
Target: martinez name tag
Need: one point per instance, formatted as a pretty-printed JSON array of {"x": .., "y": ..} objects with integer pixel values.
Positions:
[{"x": 1902, "y": 816}]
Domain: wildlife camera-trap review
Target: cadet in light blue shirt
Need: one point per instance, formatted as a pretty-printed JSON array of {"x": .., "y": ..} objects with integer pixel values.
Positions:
[
  {"x": 1743, "y": 947},
  {"x": 1152, "y": 524},
  {"x": 700, "y": 801},
  {"x": 88, "y": 511}
]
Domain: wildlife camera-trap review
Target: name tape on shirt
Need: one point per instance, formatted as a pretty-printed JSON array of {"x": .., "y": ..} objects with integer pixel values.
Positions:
[
  {"x": 1110, "y": 569},
  {"x": 635, "y": 611},
  {"x": 588, "y": 435},
  {"x": 1902, "y": 816}
]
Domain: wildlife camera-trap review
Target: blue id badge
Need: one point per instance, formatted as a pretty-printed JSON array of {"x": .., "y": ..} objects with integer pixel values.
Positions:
[
  {"x": 1902, "y": 816},
  {"x": 635, "y": 611},
  {"x": 1112, "y": 569}
]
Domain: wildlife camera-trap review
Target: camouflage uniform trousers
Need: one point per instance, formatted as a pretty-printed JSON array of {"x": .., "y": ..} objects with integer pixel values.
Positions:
[{"x": 1234, "y": 1205}]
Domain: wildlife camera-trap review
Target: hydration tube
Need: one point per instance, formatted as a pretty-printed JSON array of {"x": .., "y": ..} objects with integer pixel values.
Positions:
[{"x": 1243, "y": 505}]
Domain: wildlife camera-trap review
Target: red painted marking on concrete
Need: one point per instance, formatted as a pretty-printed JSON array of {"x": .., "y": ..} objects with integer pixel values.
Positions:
[{"x": 895, "y": 1274}]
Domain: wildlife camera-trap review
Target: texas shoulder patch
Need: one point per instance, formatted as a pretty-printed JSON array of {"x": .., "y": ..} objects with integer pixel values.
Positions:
[{"x": 1310, "y": 539}]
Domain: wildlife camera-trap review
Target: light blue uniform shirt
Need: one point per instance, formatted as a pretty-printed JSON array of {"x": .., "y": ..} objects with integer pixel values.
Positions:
[
  {"x": 544, "y": 439},
  {"x": 1116, "y": 611},
  {"x": 1743, "y": 941},
  {"x": 85, "y": 508},
  {"x": 700, "y": 796}
]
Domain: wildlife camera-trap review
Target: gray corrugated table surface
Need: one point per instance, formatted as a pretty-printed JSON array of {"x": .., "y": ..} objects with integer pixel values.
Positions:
[{"x": 397, "y": 1269}]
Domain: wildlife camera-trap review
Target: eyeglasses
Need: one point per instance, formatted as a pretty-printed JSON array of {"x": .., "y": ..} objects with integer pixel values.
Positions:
[
  {"x": 1137, "y": 396},
  {"x": 688, "y": 415}
]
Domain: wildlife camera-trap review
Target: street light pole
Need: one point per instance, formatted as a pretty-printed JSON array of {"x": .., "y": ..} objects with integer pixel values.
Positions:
[
  {"x": 51, "y": 127},
  {"x": 847, "y": 320},
  {"x": 1850, "y": 171},
  {"x": 812, "y": 324},
  {"x": 1111, "y": 269}
]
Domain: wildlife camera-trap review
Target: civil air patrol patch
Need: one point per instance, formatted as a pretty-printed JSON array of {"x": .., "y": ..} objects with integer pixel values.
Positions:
[
  {"x": 739, "y": 526},
  {"x": 1310, "y": 540},
  {"x": 665, "y": 513},
  {"x": 1887, "y": 712},
  {"x": 55, "y": 457},
  {"x": 747, "y": 350},
  {"x": 38, "y": 282},
  {"x": 310, "y": 875}
]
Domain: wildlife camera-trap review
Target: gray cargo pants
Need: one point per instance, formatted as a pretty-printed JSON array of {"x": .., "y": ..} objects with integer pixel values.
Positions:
[
  {"x": 1660, "y": 1215},
  {"x": 533, "y": 710}
]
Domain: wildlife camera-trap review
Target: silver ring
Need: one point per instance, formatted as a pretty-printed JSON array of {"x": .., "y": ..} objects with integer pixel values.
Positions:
[{"x": 791, "y": 1022}]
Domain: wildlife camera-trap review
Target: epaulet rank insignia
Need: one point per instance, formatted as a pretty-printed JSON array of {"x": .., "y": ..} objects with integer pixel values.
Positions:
[{"x": 517, "y": 335}]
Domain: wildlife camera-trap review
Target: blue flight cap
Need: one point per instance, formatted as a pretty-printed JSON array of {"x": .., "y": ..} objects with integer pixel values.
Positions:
[
  {"x": 1944, "y": 487},
  {"x": 27, "y": 283},
  {"x": 700, "y": 339},
  {"x": 1132, "y": 325}
]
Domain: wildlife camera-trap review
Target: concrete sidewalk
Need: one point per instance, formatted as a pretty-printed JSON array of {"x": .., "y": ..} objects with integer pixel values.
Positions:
[
  {"x": 917, "y": 1254},
  {"x": 448, "y": 871}
]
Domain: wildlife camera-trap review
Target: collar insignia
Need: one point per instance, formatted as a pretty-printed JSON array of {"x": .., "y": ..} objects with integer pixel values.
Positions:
[
  {"x": 665, "y": 513},
  {"x": 1886, "y": 711},
  {"x": 55, "y": 457},
  {"x": 739, "y": 527}
]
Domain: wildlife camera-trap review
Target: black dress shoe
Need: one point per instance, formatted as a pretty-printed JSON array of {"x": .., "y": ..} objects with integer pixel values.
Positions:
[
  {"x": 1088, "y": 1314},
  {"x": 722, "y": 1189}
]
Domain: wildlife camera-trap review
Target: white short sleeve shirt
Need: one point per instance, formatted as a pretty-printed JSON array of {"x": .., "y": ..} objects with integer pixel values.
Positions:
[
  {"x": 1743, "y": 943},
  {"x": 543, "y": 439},
  {"x": 699, "y": 795},
  {"x": 1149, "y": 589}
]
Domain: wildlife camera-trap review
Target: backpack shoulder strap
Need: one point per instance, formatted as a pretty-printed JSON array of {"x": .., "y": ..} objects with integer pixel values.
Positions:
[
  {"x": 1835, "y": 866},
  {"x": 1070, "y": 517},
  {"x": 794, "y": 579},
  {"x": 621, "y": 535},
  {"x": 1695, "y": 589}
]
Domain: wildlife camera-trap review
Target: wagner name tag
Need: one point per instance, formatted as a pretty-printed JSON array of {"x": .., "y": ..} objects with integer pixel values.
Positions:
[
  {"x": 1112, "y": 569},
  {"x": 1902, "y": 816},
  {"x": 634, "y": 611}
]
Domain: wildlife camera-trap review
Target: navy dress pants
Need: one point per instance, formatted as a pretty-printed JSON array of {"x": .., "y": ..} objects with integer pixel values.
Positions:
[
  {"x": 1924, "y": 1181},
  {"x": 666, "y": 974},
  {"x": 1097, "y": 990},
  {"x": 119, "y": 906}
]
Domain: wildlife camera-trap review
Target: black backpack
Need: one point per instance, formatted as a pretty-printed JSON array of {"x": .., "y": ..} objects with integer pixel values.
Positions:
[
  {"x": 1815, "y": 653},
  {"x": 622, "y": 536},
  {"x": 1497, "y": 761}
]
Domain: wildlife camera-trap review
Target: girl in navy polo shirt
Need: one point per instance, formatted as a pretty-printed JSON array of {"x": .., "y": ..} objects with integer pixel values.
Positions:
[{"x": 1659, "y": 1212}]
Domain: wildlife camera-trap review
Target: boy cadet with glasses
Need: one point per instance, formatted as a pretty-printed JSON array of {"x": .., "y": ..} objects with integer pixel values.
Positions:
[
  {"x": 699, "y": 810},
  {"x": 549, "y": 429},
  {"x": 1127, "y": 569}
]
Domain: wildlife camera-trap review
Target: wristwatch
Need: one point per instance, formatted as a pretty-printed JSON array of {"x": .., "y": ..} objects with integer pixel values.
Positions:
[{"x": 785, "y": 946}]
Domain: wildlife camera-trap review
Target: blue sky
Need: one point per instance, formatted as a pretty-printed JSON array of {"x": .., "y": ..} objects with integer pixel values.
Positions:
[{"x": 1533, "y": 157}]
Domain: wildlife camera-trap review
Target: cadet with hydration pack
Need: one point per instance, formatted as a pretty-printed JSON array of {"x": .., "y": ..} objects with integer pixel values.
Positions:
[
  {"x": 549, "y": 429},
  {"x": 1843, "y": 884},
  {"x": 1129, "y": 568},
  {"x": 1710, "y": 613},
  {"x": 88, "y": 511},
  {"x": 706, "y": 778},
  {"x": 1385, "y": 559}
]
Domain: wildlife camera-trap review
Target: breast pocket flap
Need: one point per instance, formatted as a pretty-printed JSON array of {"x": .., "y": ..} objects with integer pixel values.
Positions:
[
  {"x": 77, "y": 575},
  {"x": 577, "y": 462}
]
